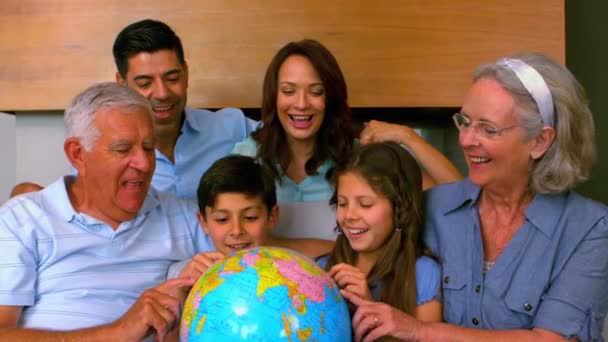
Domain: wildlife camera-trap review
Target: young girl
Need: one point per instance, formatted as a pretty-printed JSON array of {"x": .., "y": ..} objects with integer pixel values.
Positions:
[{"x": 379, "y": 254}]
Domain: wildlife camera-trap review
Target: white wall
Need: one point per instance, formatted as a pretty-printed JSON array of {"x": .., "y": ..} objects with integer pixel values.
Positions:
[
  {"x": 39, "y": 148},
  {"x": 7, "y": 155}
]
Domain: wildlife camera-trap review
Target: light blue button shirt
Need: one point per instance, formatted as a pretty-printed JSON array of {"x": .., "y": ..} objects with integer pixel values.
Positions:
[
  {"x": 553, "y": 274},
  {"x": 428, "y": 278},
  {"x": 70, "y": 271},
  {"x": 312, "y": 189},
  {"x": 205, "y": 137}
]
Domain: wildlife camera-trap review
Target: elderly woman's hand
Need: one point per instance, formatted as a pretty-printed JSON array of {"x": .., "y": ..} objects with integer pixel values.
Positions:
[
  {"x": 374, "y": 320},
  {"x": 378, "y": 131}
]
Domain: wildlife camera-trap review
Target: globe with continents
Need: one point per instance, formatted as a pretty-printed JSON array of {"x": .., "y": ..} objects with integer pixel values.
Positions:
[{"x": 265, "y": 294}]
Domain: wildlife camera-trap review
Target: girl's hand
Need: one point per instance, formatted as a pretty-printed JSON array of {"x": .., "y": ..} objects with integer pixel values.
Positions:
[{"x": 349, "y": 278}]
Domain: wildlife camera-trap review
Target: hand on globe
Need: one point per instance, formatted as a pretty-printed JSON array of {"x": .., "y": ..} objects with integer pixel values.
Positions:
[
  {"x": 156, "y": 311},
  {"x": 200, "y": 264},
  {"x": 265, "y": 294},
  {"x": 374, "y": 320},
  {"x": 350, "y": 278}
]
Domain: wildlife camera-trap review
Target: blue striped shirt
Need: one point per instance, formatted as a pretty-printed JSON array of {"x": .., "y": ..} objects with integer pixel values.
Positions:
[
  {"x": 205, "y": 137},
  {"x": 69, "y": 270}
]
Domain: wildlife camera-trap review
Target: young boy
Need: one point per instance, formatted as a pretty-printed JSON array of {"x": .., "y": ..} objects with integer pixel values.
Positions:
[{"x": 237, "y": 209}]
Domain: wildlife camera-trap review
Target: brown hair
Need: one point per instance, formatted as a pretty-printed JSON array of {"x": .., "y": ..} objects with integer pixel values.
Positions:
[
  {"x": 391, "y": 171},
  {"x": 335, "y": 137}
]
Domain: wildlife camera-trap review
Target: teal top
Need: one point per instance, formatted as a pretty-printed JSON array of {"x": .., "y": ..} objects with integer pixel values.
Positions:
[{"x": 312, "y": 189}]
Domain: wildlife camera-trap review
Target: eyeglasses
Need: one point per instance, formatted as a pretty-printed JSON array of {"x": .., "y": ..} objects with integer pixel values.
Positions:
[{"x": 480, "y": 128}]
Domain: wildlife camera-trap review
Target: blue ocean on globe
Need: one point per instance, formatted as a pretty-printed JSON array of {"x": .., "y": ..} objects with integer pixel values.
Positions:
[{"x": 265, "y": 294}]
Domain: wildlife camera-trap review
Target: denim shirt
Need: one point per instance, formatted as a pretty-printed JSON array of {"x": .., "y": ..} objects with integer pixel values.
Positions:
[{"x": 553, "y": 274}]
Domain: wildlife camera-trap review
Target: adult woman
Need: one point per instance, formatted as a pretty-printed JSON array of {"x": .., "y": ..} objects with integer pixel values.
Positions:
[
  {"x": 524, "y": 257},
  {"x": 307, "y": 126}
]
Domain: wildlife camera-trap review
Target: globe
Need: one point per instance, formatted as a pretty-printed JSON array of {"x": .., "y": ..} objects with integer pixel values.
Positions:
[{"x": 265, "y": 294}]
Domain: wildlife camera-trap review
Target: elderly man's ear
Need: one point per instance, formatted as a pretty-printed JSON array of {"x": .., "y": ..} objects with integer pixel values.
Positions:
[{"x": 74, "y": 151}]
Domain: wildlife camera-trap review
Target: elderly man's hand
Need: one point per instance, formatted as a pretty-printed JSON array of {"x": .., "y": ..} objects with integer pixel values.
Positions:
[{"x": 156, "y": 311}]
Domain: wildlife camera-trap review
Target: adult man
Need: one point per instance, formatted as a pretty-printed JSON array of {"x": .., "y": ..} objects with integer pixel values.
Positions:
[
  {"x": 79, "y": 255},
  {"x": 150, "y": 59}
]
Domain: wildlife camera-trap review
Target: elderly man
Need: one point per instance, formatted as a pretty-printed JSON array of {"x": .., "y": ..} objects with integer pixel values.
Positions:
[
  {"x": 150, "y": 59},
  {"x": 84, "y": 257}
]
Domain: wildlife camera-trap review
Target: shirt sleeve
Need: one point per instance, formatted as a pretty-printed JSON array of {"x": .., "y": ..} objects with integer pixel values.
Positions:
[
  {"x": 176, "y": 268},
  {"x": 576, "y": 303},
  {"x": 247, "y": 147},
  {"x": 428, "y": 275},
  {"x": 322, "y": 261},
  {"x": 18, "y": 270}
]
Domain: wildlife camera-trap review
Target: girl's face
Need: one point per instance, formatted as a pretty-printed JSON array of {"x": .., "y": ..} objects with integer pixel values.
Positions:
[
  {"x": 300, "y": 99},
  {"x": 365, "y": 217}
]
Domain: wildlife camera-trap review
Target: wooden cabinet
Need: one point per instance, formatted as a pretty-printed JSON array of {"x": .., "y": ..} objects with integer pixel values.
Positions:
[{"x": 394, "y": 53}]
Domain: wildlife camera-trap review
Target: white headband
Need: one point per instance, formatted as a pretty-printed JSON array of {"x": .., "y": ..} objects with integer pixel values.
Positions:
[{"x": 535, "y": 85}]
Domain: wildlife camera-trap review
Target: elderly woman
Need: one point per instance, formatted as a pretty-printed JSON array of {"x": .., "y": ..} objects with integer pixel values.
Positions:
[{"x": 524, "y": 257}]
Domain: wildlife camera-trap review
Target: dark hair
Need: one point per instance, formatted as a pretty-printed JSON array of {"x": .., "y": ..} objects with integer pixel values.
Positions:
[
  {"x": 236, "y": 174},
  {"x": 391, "y": 171},
  {"x": 335, "y": 137},
  {"x": 144, "y": 36}
]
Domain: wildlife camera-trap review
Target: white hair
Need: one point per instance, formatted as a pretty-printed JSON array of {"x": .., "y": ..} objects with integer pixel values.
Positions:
[
  {"x": 80, "y": 114},
  {"x": 573, "y": 152}
]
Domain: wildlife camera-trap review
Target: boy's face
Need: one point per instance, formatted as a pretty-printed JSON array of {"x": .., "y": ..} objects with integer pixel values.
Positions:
[{"x": 237, "y": 221}]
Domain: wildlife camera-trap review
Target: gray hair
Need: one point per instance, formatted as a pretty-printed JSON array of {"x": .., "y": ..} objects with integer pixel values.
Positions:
[
  {"x": 80, "y": 114},
  {"x": 569, "y": 159}
]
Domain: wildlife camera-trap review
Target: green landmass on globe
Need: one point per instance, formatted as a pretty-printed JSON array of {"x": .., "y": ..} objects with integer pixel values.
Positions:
[{"x": 265, "y": 294}]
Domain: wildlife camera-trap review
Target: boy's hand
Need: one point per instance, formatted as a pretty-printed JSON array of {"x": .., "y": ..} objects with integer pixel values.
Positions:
[
  {"x": 200, "y": 264},
  {"x": 349, "y": 278}
]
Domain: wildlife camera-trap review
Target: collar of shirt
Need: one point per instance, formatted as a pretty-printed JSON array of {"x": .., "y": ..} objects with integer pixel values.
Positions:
[
  {"x": 543, "y": 212},
  {"x": 57, "y": 198}
]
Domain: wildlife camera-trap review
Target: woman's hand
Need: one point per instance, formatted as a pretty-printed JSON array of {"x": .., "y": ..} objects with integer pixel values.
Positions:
[
  {"x": 351, "y": 279},
  {"x": 379, "y": 131},
  {"x": 374, "y": 320}
]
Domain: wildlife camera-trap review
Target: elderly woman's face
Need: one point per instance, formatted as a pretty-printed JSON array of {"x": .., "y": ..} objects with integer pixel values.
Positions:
[{"x": 503, "y": 160}]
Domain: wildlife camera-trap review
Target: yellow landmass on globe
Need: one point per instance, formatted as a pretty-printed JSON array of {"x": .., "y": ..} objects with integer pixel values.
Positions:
[
  {"x": 233, "y": 265},
  {"x": 270, "y": 277},
  {"x": 304, "y": 334},
  {"x": 286, "y": 326},
  {"x": 211, "y": 281},
  {"x": 201, "y": 323}
]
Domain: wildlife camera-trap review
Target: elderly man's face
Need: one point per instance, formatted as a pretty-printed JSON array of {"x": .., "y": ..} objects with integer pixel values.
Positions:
[{"x": 118, "y": 170}]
